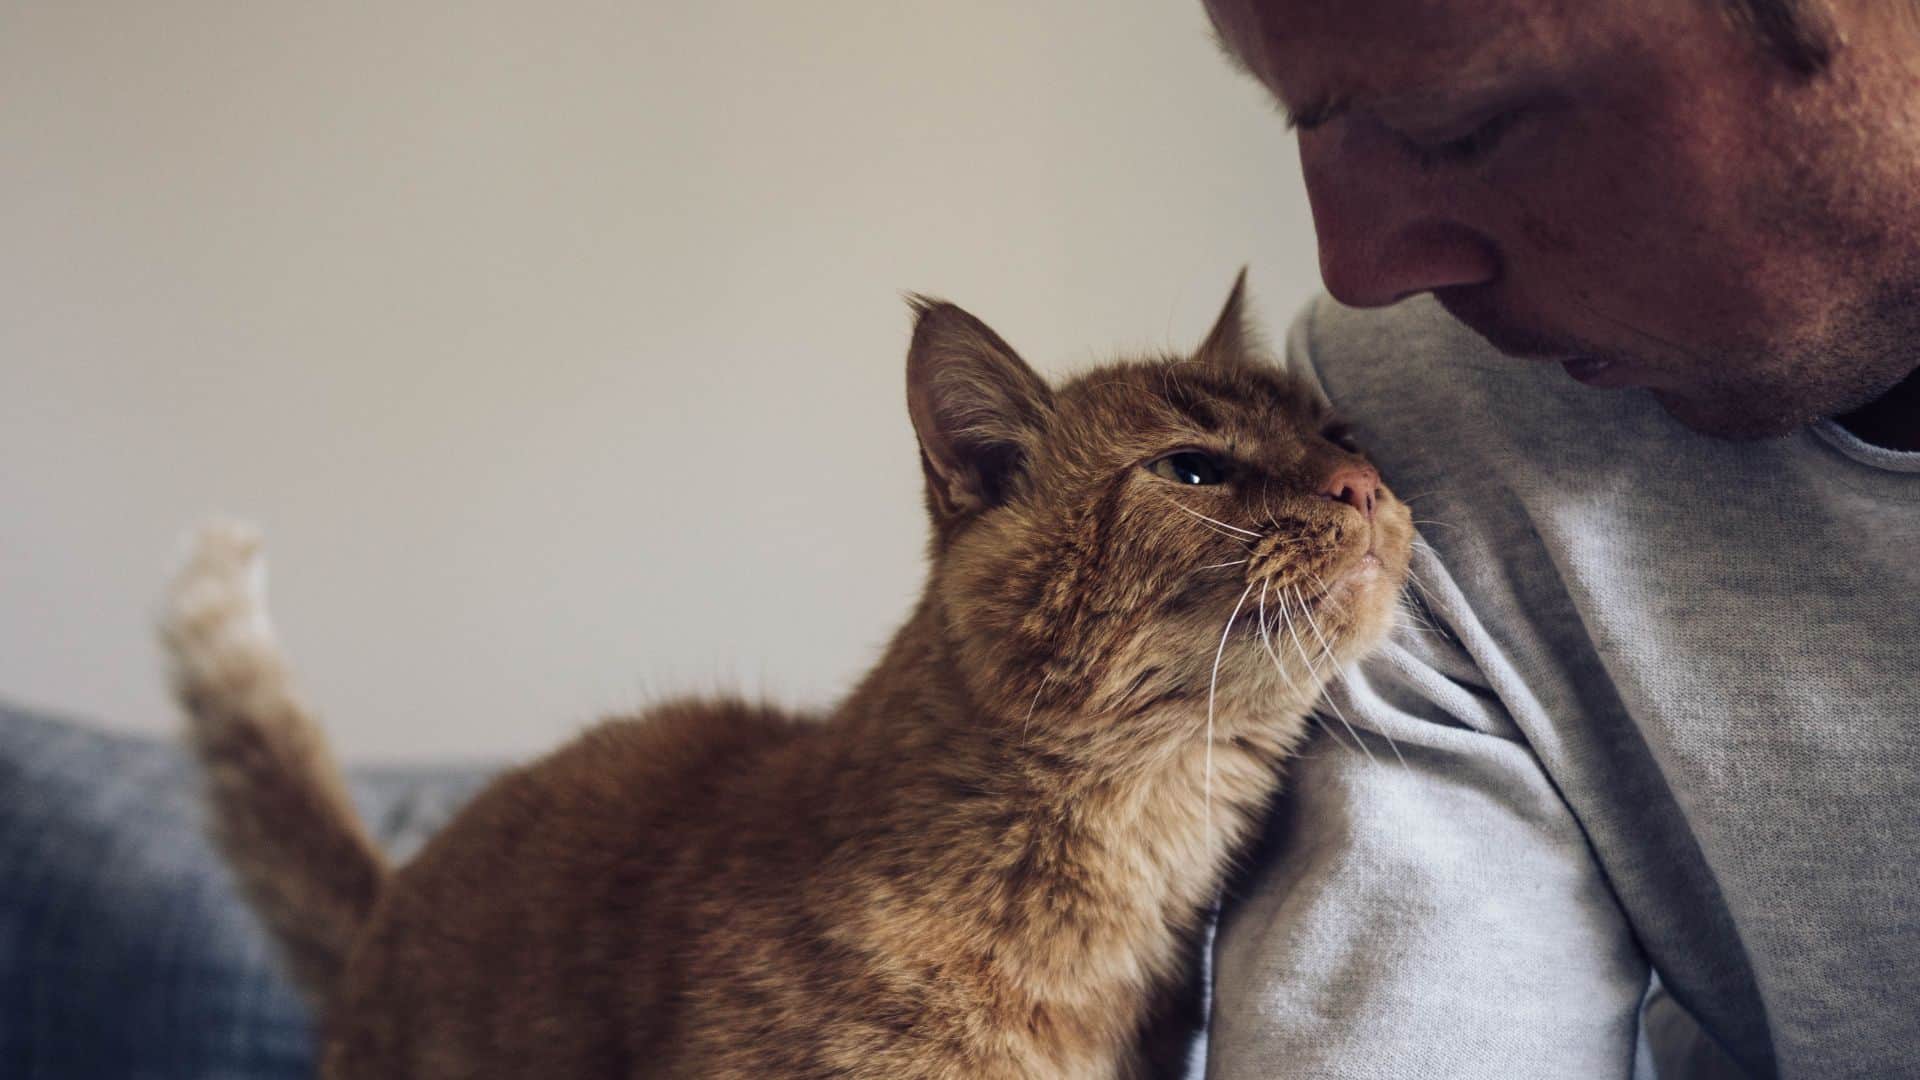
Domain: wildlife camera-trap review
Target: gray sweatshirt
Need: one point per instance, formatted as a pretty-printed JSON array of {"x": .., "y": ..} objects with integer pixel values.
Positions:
[{"x": 1665, "y": 711}]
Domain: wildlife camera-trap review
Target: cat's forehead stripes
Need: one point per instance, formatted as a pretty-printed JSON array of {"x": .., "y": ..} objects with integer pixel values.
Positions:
[{"x": 1191, "y": 395}]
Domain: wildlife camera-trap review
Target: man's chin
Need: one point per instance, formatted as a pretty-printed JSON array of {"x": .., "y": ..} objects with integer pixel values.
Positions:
[
  {"x": 1724, "y": 417},
  {"x": 1737, "y": 413}
]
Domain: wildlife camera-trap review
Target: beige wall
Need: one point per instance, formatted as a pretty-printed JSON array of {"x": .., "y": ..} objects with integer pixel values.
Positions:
[{"x": 558, "y": 346}]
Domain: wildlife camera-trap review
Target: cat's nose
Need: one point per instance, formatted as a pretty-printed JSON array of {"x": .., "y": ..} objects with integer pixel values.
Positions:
[{"x": 1355, "y": 485}]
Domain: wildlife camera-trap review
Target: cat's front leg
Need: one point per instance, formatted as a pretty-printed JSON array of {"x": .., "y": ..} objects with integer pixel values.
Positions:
[{"x": 1175, "y": 1022}]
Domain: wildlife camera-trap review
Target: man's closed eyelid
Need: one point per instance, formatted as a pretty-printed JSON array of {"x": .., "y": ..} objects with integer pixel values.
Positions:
[
  {"x": 1468, "y": 146},
  {"x": 1459, "y": 125}
]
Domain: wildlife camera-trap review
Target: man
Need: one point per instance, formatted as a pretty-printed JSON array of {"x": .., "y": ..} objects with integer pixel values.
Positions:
[{"x": 1667, "y": 716}]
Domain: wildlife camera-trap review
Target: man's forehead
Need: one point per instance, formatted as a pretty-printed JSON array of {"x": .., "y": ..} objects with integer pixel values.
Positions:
[{"x": 1317, "y": 55}]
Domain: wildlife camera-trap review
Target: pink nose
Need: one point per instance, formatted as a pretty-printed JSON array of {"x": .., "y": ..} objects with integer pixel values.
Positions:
[{"x": 1355, "y": 485}]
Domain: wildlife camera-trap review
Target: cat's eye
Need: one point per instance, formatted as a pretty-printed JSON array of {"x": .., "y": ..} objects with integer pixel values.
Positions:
[
  {"x": 1190, "y": 467},
  {"x": 1341, "y": 435}
]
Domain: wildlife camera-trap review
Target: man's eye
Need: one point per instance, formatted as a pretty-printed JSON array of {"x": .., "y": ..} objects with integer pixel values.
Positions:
[
  {"x": 1190, "y": 467},
  {"x": 1469, "y": 148}
]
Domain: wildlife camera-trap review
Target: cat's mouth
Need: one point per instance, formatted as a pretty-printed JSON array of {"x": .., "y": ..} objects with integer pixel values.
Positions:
[
  {"x": 1332, "y": 561},
  {"x": 1318, "y": 583},
  {"x": 1310, "y": 554}
]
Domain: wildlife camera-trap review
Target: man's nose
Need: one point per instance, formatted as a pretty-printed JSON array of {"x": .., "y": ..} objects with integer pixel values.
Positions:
[{"x": 1387, "y": 230}]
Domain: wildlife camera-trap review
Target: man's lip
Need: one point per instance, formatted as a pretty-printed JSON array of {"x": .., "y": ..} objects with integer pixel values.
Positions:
[{"x": 1598, "y": 371}]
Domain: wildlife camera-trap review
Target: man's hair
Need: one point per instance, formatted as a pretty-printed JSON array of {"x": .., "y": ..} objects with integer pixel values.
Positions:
[{"x": 1794, "y": 31}]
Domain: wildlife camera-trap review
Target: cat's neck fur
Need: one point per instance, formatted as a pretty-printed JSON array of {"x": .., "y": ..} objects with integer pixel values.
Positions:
[{"x": 1080, "y": 870}]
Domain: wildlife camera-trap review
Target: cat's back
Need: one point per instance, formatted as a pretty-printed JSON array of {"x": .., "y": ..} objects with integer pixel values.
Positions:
[{"x": 518, "y": 938}]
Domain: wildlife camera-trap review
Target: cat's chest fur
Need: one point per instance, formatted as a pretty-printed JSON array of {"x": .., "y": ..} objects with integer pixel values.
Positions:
[{"x": 723, "y": 891}]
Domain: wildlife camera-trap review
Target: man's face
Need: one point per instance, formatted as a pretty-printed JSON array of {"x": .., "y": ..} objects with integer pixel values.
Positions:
[{"x": 1630, "y": 187}]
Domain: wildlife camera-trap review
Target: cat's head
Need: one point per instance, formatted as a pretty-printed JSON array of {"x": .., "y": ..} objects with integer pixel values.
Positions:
[{"x": 1093, "y": 541}]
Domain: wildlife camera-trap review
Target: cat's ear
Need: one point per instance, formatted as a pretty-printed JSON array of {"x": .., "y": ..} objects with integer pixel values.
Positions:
[
  {"x": 1232, "y": 340},
  {"x": 976, "y": 406}
]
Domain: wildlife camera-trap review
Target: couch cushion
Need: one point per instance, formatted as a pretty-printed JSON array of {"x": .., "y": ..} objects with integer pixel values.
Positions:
[{"x": 124, "y": 949}]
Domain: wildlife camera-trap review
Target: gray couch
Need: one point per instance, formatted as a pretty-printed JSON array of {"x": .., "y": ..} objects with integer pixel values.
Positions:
[{"x": 124, "y": 951}]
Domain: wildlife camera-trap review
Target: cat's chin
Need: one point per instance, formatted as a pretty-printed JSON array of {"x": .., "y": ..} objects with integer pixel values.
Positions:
[
  {"x": 1360, "y": 584},
  {"x": 1356, "y": 585},
  {"x": 1355, "y": 610}
]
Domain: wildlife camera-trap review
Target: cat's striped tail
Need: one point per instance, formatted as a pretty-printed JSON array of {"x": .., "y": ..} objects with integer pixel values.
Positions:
[{"x": 279, "y": 806}]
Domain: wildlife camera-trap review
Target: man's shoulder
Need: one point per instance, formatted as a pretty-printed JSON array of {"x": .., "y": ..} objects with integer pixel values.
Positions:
[{"x": 1411, "y": 360}]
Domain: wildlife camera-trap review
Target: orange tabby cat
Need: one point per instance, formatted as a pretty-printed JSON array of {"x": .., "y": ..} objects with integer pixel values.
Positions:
[{"x": 990, "y": 860}]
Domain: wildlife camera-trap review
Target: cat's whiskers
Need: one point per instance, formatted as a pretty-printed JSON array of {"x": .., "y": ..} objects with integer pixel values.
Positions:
[
  {"x": 1166, "y": 383},
  {"x": 1219, "y": 565},
  {"x": 1313, "y": 669},
  {"x": 1266, "y": 502},
  {"x": 1213, "y": 686},
  {"x": 1410, "y": 609},
  {"x": 1243, "y": 542},
  {"x": 1300, "y": 650},
  {"x": 1340, "y": 673},
  {"x": 1028, "y": 723},
  {"x": 1417, "y": 586},
  {"x": 1214, "y": 521},
  {"x": 1279, "y": 665},
  {"x": 1266, "y": 634}
]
